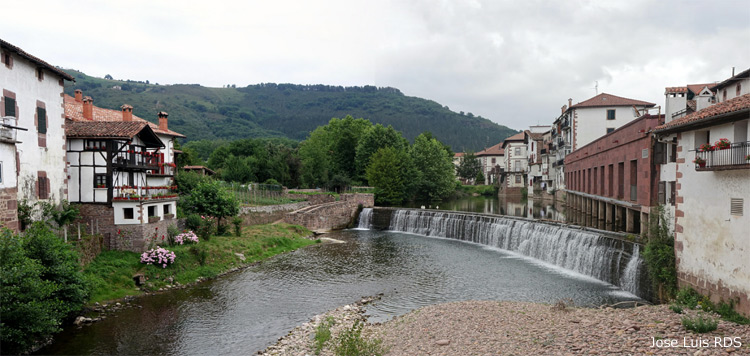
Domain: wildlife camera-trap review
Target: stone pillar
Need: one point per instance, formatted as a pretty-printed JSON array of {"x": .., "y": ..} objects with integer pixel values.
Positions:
[
  {"x": 630, "y": 220},
  {"x": 644, "y": 224},
  {"x": 618, "y": 218}
]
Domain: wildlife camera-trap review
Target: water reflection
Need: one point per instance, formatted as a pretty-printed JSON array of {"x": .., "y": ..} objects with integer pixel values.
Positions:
[{"x": 512, "y": 206}]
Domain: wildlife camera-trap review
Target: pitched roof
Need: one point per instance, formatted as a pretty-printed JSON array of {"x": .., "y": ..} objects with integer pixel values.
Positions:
[
  {"x": 696, "y": 88},
  {"x": 517, "y": 137},
  {"x": 495, "y": 150},
  {"x": 458, "y": 154},
  {"x": 103, "y": 129},
  {"x": 738, "y": 104},
  {"x": 675, "y": 90},
  {"x": 36, "y": 60},
  {"x": 742, "y": 75},
  {"x": 74, "y": 111},
  {"x": 536, "y": 136},
  {"x": 605, "y": 99}
]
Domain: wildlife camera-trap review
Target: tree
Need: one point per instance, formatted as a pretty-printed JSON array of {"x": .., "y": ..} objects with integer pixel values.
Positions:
[
  {"x": 435, "y": 178},
  {"x": 373, "y": 139},
  {"x": 480, "y": 178},
  {"x": 330, "y": 150},
  {"x": 209, "y": 198},
  {"x": 41, "y": 285},
  {"x": 108, "y": 77},
  {"x": 389, "y": 172},
  {"x": 470, "y": 167}
]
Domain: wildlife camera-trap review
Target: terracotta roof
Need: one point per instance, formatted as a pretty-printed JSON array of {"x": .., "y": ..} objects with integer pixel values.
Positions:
[
  {"x": 36, "y": 60},
  {"x": 605, "y": 99},
  {"x": 674, "y": 90},
  {"x": 458, "y": 154},
  {"x": 744, "y": 74},
  {"x": 536, "y": 136},
  {"x": 74, "y": 111},
  {"x": 517, "y": 137},
  {"x": 495, "y": 150},
  {"x": 198, "y": 168},
  {"x": 696, "y": 88},
  {"x": 103, "y": 129},
  {"x": 738, "y": 104}
]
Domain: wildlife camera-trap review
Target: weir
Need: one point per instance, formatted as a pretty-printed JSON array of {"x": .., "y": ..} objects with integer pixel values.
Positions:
[{"x": 599, "y": 254}]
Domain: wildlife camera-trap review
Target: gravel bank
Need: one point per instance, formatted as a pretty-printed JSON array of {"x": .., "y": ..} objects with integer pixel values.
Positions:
[{"x": 516, "y": 328}]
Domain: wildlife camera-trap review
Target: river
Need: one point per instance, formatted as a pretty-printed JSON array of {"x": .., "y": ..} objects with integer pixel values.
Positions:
[{"x": 245, "y": 312}]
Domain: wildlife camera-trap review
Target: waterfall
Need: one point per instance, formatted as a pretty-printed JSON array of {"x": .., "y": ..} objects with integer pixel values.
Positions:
[
  {"x": 629, "y": 280},
  {"x": 365, "y": 219},
  {"x": 586, "y": 252}
]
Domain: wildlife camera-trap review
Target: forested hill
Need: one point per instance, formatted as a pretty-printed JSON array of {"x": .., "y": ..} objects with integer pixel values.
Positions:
[{"x": 287, "y": 110}]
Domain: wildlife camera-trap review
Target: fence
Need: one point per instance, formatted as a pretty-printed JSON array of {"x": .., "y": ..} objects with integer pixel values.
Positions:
[{"x": 258, "y": 194}]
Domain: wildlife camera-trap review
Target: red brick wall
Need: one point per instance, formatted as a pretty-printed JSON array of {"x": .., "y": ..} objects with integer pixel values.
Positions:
[
  {"x": 621, "y": 146},
  {"x": 716, "y": 291}
]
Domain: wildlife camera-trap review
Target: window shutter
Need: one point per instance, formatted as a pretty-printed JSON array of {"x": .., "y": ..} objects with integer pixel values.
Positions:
[
  {"x": 662, "y": 193},
  {"x": 659, "y": 151},
  {"x": 43, "y": 183},
  {"x": 41, "y": 115},
  {"x": 10, "y": 106}
]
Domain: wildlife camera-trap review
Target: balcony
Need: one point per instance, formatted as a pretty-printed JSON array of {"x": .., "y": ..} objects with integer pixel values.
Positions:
[
  {"x": 734, "y": 157},
  {"x": 140, "y": 193},
  {"x": 136, "y": 157}
]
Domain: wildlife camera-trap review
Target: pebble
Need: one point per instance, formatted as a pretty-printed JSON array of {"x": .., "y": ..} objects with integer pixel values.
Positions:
[{"x": 443, "y": 342}]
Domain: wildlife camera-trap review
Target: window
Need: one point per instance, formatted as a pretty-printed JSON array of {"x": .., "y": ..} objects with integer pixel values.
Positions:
[
  {"x": 152, "y": 210},
  {"x": 40, "y": 74},
  {"x": 166, "y": 209},
  {"x": 100, "y": 180},
  {"x": 127, "y": 213},
  {"x": 739, "y": 89},
  {"x": 10, "y": 106},
  {"x": 7, "y": 59},
  {"x": 518, "y": 151},
  {"x": 94, "y": 145},
  {"x": 493, "y": 161},
  {"x": 610, "y": 129},
  {"x": 43, "y": 187},
  {"x": 41, "y": 117},
  {"x": 1, "y": 172},
  {"x": 724, "y": 95},
  {"x": 518, "y": 178},
  {"x": 611, "y": 114}
]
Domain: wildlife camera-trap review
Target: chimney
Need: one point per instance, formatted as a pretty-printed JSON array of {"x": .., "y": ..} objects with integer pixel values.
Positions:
[
  {"x": 570, "y": 102},
  {"x": 562, "y": 109},
  {"x": 88, "y": 108},
  {"x": 79, "y": 95},
  {"x": 127, "y": 112},
  {"x": 162, "y": 120}
]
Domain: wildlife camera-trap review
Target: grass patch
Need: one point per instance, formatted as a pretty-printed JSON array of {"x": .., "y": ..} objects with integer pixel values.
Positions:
[
  {"x": 688, "y": 298},
  {"x": 350, "y": 342},
  {"x": 700, "y": 324},
  {"x": 485, "y": 190},
  {"x": 111, "y": 273},
  {"x": 323, "y": 334},
  {"x": 337, "y": 195}
]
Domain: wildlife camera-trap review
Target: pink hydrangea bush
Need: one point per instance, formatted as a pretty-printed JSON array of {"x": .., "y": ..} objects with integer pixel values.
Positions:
[
  {"x": 158, "y": 256},
  {"x": 184, "y": 237}
]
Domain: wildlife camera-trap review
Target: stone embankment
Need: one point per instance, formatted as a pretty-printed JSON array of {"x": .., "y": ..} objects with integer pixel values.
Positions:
[
  {"x": 330, "y": 215},
  {"x": 519, "y": 328},
  {"x": 258, "y": 215}
]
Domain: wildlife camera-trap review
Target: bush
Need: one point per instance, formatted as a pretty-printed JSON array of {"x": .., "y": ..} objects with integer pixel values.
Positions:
[
  {"x": 659, "y": 255},
  {"x": 186, "y": 237},
  {"x": 237, "y": 222},
  {"x": 206, "y": 228},
  {"x": 41, "y": 286},
  {"x": 193, "y": 222},
  {"x": 700, "y": 324},
  {"x": 172, "y": 232},
  {"x": 158, "y": 256},
  {"x": 200, "y": 254},
  {"x": 323, "y": 334},
  {"x": 351, "y": 343}
]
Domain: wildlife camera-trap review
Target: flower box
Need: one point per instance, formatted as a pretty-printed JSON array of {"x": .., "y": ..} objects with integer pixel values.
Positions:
[
  {"x": 168, "y": 216},
  {"x": 722, "y": 144},
  {"x": 153, "y": 219}
]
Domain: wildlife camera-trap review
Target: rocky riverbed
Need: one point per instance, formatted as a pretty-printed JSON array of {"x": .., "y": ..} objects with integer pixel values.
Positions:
[{"x": 517, "y": 328}]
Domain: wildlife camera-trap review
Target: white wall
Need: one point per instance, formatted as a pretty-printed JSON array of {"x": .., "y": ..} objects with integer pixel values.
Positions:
[
  {"x": 8, "y": 163},
  {"x": 22, "y": 80},
  {"x": 673, "y": 104},
  {"x": 592, "y": 123},
  {"x": 714, "y": 242}
]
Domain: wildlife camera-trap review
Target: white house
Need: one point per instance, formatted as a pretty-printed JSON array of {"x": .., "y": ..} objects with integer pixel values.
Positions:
[
  {"x": 121, "y": 169},
  {"x": 711, "y": 198},
  {"x": 32, "y": 136},
  {"x": 493, "y": 160},
  {"x": 516, "y": 164},
  {"x": 534, "y": 140}
]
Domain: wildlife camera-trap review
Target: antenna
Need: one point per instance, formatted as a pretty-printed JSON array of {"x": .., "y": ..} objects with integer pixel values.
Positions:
[{"x": 596, "y": 87}]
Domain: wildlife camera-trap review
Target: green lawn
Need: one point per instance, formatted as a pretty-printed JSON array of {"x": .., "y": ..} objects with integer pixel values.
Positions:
[{"x": 111, "y": 273}]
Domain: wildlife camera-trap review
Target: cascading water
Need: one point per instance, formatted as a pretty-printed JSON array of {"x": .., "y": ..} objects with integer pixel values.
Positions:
[
  {"x": 585, "y": 252},
  {"x": 365, "y": 218}
]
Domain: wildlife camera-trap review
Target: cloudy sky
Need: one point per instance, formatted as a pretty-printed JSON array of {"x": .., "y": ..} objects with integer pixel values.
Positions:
[{"x": 514, "y": 62}]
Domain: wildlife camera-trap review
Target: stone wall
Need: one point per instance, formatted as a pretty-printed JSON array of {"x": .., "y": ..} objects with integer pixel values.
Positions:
[
  {"x": 333, "y": 215},
  {"x": 257, "y": 215},
  {"x": 314, "y": 198},
  {"x": 99, "y": 219},
  {"x": 88, "y": 248},
  {"x": 718, "y": 292},
  {"x": 9, "y": 208}
]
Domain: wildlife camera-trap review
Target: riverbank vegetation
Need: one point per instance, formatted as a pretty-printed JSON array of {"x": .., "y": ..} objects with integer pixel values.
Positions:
[
  {"x": 659, "y": 255},
  {"x": 111, "y": 273}
]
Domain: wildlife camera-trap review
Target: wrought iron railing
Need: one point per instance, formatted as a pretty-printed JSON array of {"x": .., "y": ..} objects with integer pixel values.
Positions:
[{"x": 736, "y": 156}]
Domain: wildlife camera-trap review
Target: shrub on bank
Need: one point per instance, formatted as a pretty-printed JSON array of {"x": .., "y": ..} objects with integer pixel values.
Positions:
[{"x": 41, "y": 286}]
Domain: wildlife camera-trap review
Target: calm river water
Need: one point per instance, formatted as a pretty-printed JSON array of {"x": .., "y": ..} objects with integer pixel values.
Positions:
[{"x": 245, "y": 312}]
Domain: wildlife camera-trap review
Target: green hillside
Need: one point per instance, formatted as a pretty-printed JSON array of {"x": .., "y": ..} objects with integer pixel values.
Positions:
[{"x": 287, "y": 110}]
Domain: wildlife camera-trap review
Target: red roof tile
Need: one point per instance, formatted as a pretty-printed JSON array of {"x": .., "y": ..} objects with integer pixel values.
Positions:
[
  {"x": 495, "y": 150},
  {"x": 458, "y": 154},
  {"x": 741, "y": 75},
  {"x": 697, "y": 88},
  {"x": 74, "y": 111},
  {"x": 36, "y": 60},
  {"x": 672, "y": 90},
  {"x": 103, "y": 129},
  {"x": 605, "y": 99},
  {"x": 740, "y": 103}
]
